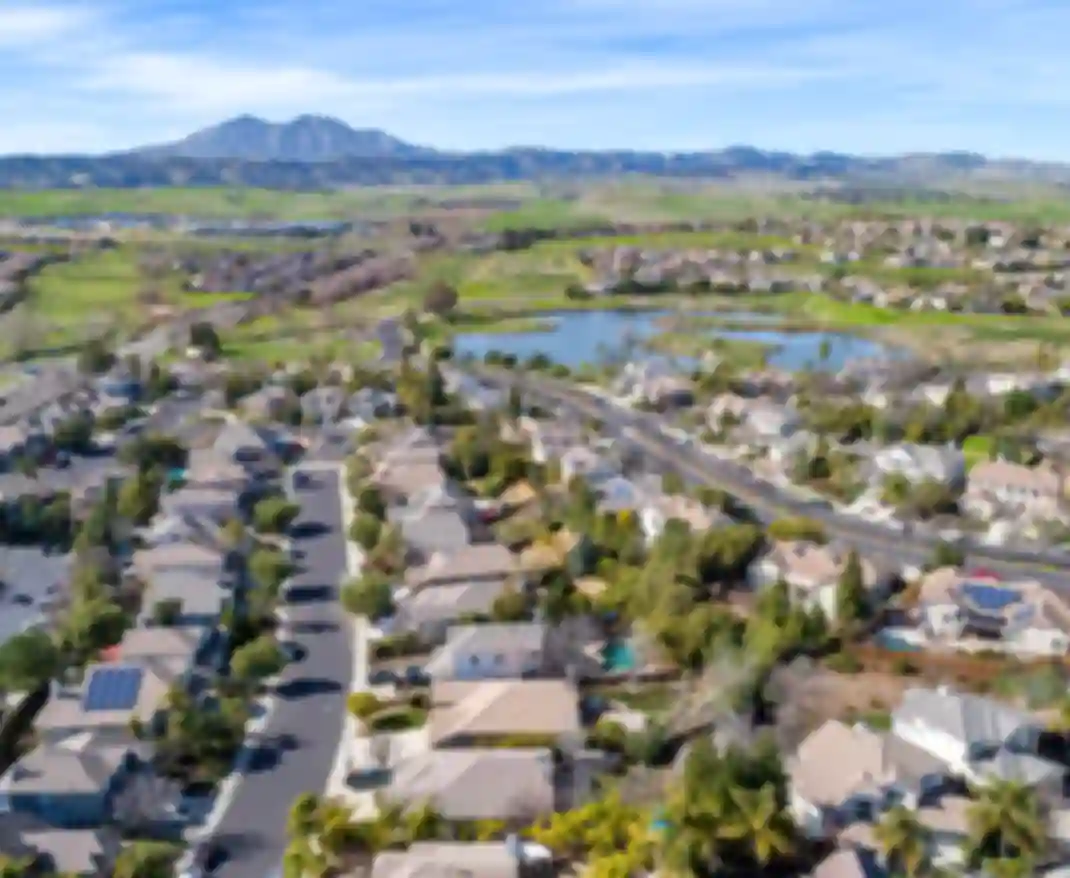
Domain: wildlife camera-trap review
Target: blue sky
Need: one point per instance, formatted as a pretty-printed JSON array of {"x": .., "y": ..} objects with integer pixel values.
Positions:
[{"x": 850, "y": 75}]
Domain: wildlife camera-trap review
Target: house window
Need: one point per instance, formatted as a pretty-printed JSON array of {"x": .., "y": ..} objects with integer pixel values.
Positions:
[
  {"x": 499, "y": 659},
  {"x": 473, "y": 660}
]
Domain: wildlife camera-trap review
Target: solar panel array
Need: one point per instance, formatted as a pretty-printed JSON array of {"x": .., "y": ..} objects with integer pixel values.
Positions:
[{"x": 112, "y": 689}]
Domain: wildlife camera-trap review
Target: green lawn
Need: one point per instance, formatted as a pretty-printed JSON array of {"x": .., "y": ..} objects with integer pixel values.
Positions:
[{"x": 977, "y": 449}]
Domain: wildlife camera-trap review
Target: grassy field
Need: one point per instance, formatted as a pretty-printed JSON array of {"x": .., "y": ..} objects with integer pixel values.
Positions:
[
  {"x": 243, "y": 202},
  {"x": 599, "y": 202}
]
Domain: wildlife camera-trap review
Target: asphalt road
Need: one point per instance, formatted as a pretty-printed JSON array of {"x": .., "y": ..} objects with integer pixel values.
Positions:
[
  {"x": 643, "y": 432},
  {"x": 310, "y": 709}
]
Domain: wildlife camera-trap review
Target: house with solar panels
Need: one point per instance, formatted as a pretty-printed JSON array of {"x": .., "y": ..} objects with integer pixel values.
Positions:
[
  {"x": 976, "y": 607},
  {"x": 87, "y": 756}
]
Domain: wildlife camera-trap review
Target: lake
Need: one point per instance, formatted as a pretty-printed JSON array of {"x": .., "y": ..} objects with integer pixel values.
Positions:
[{"x": 580, "y": 337}]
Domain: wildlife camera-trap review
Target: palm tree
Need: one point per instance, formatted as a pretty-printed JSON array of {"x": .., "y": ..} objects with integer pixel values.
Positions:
[
  {"x": 902, "y": 841},
  {"x": 1006, "y": 823},
  {"x": 760, "y": 824}
]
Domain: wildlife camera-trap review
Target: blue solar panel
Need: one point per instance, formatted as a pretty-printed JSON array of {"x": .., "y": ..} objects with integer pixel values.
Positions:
[
  {"x": 112, "y": 689},
  {"x": 991, "y": 598}
]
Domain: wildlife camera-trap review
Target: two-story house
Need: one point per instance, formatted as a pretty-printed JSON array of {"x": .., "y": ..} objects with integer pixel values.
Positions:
[
  {"x": 813, "y": 571},
  {"x": 1000, "y": 483},
  {"x": 1023, "y": 615}
]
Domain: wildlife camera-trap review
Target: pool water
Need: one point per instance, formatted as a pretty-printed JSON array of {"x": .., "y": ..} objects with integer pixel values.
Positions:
[
  {"x": 894, "y": 642},
  {"x": 618, "y": 655}
]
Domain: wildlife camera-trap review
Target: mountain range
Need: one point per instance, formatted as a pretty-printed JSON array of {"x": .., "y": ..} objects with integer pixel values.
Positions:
[{"x": 316, "y": 152}]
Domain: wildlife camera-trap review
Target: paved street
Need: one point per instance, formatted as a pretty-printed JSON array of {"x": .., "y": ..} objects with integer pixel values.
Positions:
[
  {"x": 643, "y": 432},
  {"x": 310, "y": 712}
]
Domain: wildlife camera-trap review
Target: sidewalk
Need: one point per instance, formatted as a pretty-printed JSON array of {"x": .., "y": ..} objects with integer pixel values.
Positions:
[{"x": 361, "y": 801}]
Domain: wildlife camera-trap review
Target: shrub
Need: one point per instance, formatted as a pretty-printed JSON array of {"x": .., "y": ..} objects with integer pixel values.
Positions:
[
  {"x": 844, "y": 663},
  {"x": 397, "y": 719},
  {"x": 363, "y": 704},
  {"x": 397, "y": 645}
]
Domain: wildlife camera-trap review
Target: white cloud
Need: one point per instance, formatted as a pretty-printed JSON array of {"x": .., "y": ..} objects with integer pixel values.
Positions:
[
  {"x": 27, "y": 26},
  {"x": 189, "y": 83}
]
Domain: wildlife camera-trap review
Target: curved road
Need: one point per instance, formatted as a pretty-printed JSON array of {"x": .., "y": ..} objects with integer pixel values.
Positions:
[
  {"x": 309, "y": 713},
  {"x": 644, "y": 431}
]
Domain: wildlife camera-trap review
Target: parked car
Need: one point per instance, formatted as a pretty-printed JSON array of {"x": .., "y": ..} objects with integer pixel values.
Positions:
[{"x": 382, "y": 677}]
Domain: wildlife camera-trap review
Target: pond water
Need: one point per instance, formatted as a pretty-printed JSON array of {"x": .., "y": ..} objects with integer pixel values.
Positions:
[{"x": 581, "y": 337}]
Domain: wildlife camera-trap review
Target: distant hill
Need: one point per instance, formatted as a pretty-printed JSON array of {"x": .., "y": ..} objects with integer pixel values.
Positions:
[
  {"x": 304, "y": 139},
  {"x": 318, "y": 152}
]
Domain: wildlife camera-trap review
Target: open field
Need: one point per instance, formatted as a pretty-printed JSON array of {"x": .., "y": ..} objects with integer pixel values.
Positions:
[
  {"x": 246, "y": 203},
  {"x": 525, "y": 203}
]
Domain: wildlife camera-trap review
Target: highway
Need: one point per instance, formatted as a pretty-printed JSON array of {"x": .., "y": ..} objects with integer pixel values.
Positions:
[{"x": 644, "y": 431}]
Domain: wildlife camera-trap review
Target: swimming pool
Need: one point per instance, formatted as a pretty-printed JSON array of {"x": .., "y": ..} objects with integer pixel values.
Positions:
[
  {"x": 617, "y": 656},
  {"x": 894, "y": 641}
]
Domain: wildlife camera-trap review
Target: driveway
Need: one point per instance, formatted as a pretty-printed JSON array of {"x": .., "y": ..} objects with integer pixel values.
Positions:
[{"x": 310, "y": 710}]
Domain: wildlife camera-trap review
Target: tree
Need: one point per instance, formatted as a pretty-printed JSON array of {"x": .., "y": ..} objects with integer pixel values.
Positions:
[
  {"x": 274, "y": 515},
  {"x": 947, "y": 555},
  {"x": 851, "y": 597},
  {"x": 28, "y": 660},
  {"x": 902, "y": 841},
  {"x": 95, "y": 357},
  {"x": 257, "y": 659},
  {"x": 268, "y": 569},
  {"x": 138, "y": 498},
  {"x": 797, "y": 528},
  {"x": 371, "y": 595},
  {"x": 203, "y": 335},
  {"x": 1007, "y": 823},
  {"x": 146, "y": 859},
  {"x": 441, "y": 298},
  {"x": 366, "y": 530},
  {"x": 512, "y": 605},
  {"x": 761, "y": 823},
  {"x": 370, "y": 501}
]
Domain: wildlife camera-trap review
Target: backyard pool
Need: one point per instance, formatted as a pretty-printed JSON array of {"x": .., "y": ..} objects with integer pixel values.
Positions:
[
  {"x": 895, "y": 641},
  {"x": 618, "y": 656}
]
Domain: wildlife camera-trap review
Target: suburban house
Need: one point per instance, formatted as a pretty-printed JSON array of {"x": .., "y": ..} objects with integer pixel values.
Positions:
[
  {"x": 659, "y": 509},
  {"x": 479, "y": 561},
  {"x": 515, "y": 784},
  {"x": 653, "y": 382},
  {"x": 1022, "y": 615},
  {"x": 86, "y": 752},
  {"x": 510, "y": 858},
  {"x": 922, "y": 463},
  {"x": 582, "y": 461},
  {"x": 431, "y": 611},
  {"x": 549, "y": 439},
  {"x": 449, "y": 587},
  {"x": 768, "y": 420},
  {"x": 253, "y": 447},
  {"x": 434, "y": 524},
  {"x": 219, "y": 505},
  {"x": 843, "y": 778},
  {"x": 976, "y": 738},
  {"x": 812, "y": 572},
  {"x": 87, "y": 853},
  {"x": 190, "y": 576},
  {"x": 466, "y": 713},
  {"x": 996, "y": 484},
  {"x": 495, "y": 651}
]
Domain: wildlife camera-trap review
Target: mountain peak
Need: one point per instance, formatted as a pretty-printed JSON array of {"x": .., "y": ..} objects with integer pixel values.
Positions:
[{"x": 305, "y": 138}]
